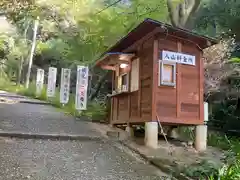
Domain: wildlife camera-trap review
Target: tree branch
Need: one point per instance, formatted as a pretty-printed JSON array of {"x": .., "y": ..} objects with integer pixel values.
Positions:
[{"x": 98, "y": 86}]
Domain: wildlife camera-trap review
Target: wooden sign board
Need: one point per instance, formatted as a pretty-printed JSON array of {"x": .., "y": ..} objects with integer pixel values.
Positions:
[{"x": 179, "y": 58}]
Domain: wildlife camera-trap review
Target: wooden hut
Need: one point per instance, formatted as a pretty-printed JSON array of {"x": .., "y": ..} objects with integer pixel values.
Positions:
[{"x": 158, "y": 75}]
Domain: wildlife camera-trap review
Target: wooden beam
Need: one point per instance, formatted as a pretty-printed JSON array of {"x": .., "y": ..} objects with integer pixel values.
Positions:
[
  {"x": 139, "y": 82},
  {"x": 108, "y": 67},
  {"x": 201, "y": 87},
  {"x": 115, "y": 58},
  {"x": 155, "y": 77},
  {"x": 100, "y": 61},
  {"x": 129, "y": 94},
  {"x": 112, "y": 98},
  {"x": 179, "y": 82}
]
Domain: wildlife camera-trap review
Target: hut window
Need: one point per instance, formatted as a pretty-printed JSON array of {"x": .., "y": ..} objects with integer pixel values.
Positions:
[
  {"x": 124, "y": 82},
  {"x": 167, "y": 72},
  {"x": 135, "y": 75}
]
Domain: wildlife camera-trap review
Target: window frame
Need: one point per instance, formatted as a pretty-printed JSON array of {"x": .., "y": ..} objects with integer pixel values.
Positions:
[
  {"x": 160, "y": 73},
  {"x": 134, "y": 89},
  {"x": 127, "y": 82}
]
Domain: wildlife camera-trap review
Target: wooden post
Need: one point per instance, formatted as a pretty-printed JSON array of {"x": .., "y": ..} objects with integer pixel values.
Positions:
[
  {"x": 155, "y": 77},
  {"x": 139, "y": 83},
  {"x": 179, "y": 83},
  {"x": 129, "y": 90},
  {"x": 201, "y": 90}
]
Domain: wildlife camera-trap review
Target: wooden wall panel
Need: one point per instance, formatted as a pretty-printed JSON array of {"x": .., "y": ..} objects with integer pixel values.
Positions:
[
  {"x": 123, "y": 115},
  {"x": 114, "y": 109},
  {"x": 146, "y": 69},
  {"x": 190, "y": 93},
  {"x": 134, "y": 105},
  {"x": 166, "y": 96},
  {"x": 166, "y": 102},
  {"x": 173, "y": 105},
  {"x": 186, "y": 96}
]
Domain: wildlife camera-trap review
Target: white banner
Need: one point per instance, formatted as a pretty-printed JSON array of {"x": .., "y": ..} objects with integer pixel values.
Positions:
[
  {"x": 81, "y": 88},
  {"x": 52, "y": 77},
  {"x": 65, "y": 85},
  {"x": 178, "y": 57},
  {"x": 39, "y": 81}
]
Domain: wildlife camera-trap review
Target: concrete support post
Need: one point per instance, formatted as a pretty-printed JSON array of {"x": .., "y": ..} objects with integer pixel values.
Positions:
[
  {"x": 151, "y": 134},
  {"x": 201, "y": 132},
  {"x": 130, "y": 131}
]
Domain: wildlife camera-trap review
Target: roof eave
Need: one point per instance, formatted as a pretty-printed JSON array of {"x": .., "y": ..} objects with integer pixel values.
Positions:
[{"x": 205, "y": 45}]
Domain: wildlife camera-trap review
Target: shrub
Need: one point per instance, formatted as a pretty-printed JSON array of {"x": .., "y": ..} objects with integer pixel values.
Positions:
[
  {"x": 30, "y": 92},
  {"x": 201, "y": 170},
  {"x": 96, "y": 111},
  {"x": 228, "y": 172}
]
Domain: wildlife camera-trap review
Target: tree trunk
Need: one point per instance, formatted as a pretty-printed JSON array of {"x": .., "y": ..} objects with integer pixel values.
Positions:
[
  {"x": 180, "y": 15},
  {"x": 31, "y": 54},
  {"x": 20, "y": 71},
  {"x": 98, "y": 87}
]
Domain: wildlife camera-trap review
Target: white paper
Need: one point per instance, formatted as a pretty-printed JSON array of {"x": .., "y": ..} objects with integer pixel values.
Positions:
[
  {"x": 167, "y": 75},
  {"x": 205, "y": 111},
  {"x": 81, "y": 88},
  {"x": 39, "y": 81},
  {"x": 65, "y": 85},
  {"x": 52, "y": 76}
]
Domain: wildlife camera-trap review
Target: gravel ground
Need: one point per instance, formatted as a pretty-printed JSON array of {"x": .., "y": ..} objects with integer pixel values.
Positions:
[
  {"x": 70, "y": 160},
  {"x": 35, "y": 118},
  {"x": 62, "y": 160}
]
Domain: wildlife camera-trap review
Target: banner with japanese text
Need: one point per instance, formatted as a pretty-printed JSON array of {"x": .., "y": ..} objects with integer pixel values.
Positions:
[
  {"x": 81, "y": 88},
  {"x": 65, "y": 85},
  {"x": 52, "y": 77},
  {"x": 39, "y": 81}
]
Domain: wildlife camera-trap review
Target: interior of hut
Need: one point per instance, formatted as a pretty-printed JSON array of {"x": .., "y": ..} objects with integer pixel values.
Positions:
[{"x": 121, "y": 65}]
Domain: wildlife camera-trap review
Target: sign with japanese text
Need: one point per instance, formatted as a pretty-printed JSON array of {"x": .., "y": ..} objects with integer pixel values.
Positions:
[
  {"x": 65, "y": 85},
  {"x": 81, "y": 88},
  {"x": 52, "y": 77},
  {"x": 179, "y": 57},
  {"x": 39, "y": 81}
]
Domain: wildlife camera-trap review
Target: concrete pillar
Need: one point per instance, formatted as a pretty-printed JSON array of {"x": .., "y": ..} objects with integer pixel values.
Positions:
[
  {"x": 130, "y": 131},
  {"x": 151, "y": 134},
  {"x": 201, "y": 132},
  {"x": 201, "y": 138}
]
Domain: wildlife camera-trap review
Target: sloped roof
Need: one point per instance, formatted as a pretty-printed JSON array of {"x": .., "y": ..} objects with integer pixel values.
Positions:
[{"x": 148, "y": 25}]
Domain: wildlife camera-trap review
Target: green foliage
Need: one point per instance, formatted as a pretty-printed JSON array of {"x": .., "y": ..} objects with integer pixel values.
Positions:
[
  {"x": 74, "y": 31},
  {"x": 235, "y": 60},
  {"x": 218, "y": 16},
  {"x": 30, "y": 92},
  {"x": 228, "y": 171},
  {"x": 225, "y": 116},
  {"x": 96, "y": 111},
  {"x": 219, "y": 140},
  {"x": 201, "y": 170}
]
